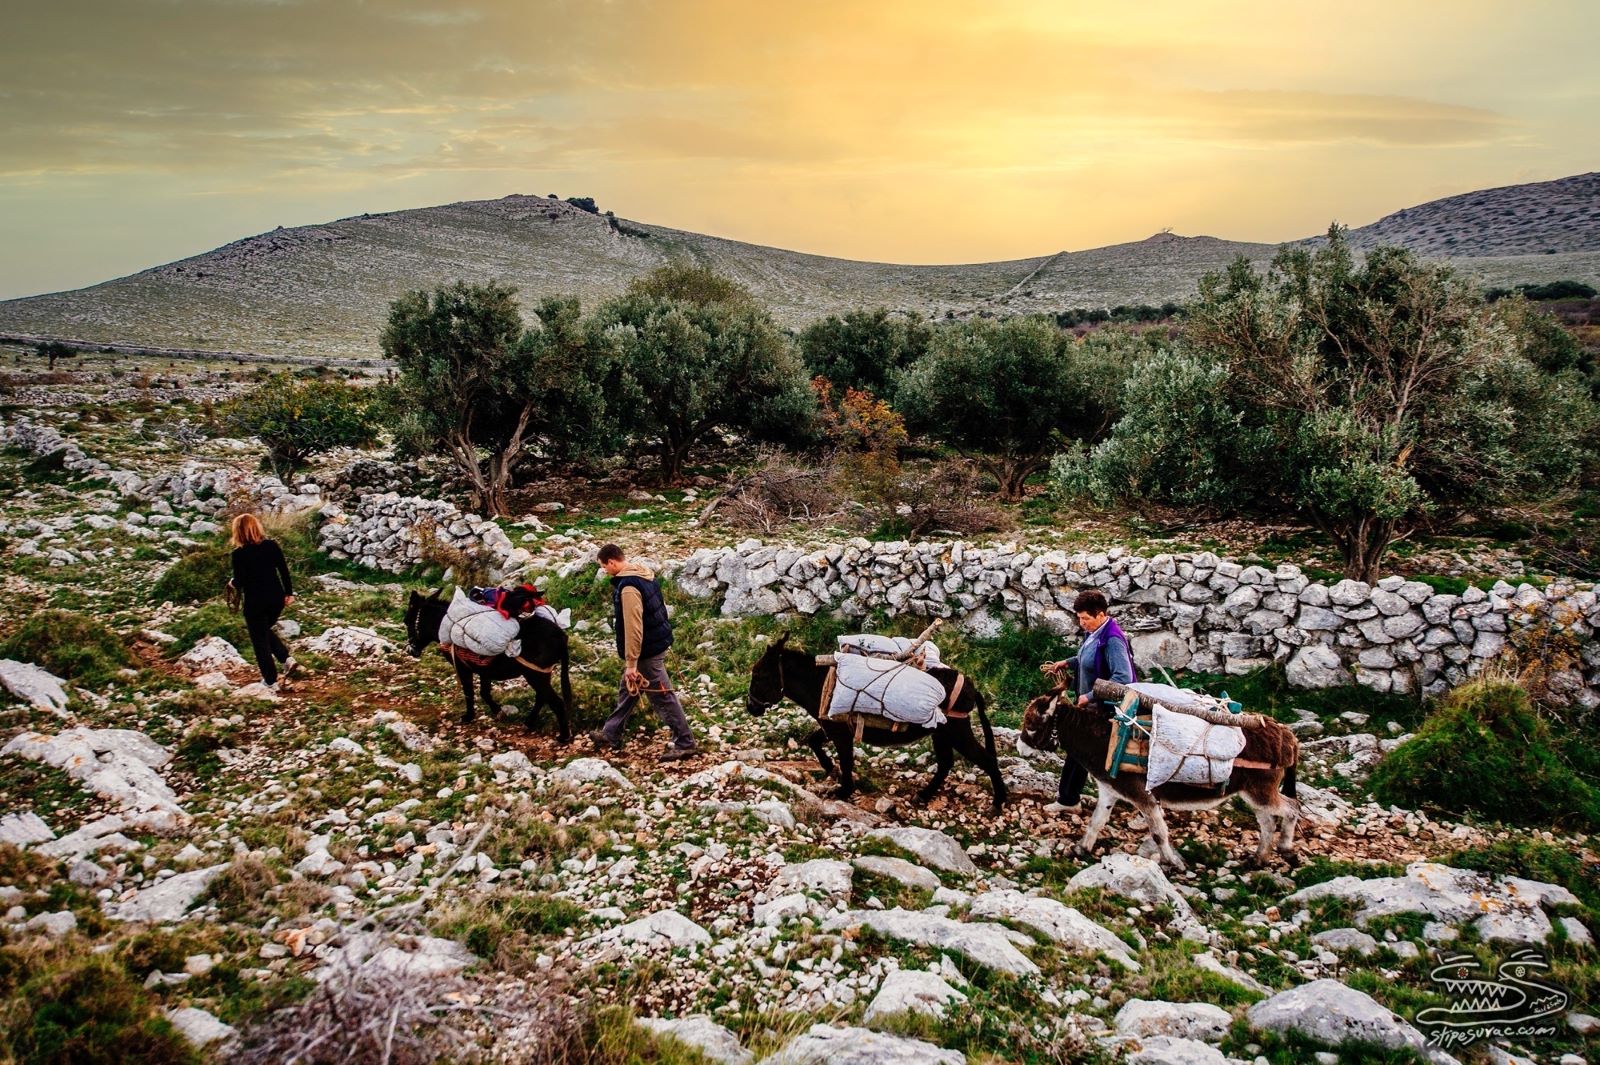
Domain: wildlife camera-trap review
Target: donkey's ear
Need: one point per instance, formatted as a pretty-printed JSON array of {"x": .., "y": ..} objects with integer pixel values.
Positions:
[{"x": 782, "y": 639}]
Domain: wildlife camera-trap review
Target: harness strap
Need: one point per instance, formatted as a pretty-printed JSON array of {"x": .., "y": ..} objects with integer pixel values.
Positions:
[
  {"x": 551, "y": 668},
  {"x": 955, "y": 693}
]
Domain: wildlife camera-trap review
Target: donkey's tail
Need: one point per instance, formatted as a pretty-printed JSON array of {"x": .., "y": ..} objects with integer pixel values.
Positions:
[{"x": 1288, "y": 781}]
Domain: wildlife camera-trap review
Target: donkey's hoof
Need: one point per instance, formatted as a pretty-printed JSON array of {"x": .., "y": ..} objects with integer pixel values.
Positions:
[
  {"x": 1080, "y": 851},
  {"x": 1290, "y": 858},
  {"x": 1175, "y": 865},
  {"x": 923, "y": 798}
]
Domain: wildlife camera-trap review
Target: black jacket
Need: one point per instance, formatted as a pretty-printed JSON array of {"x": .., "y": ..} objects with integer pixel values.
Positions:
[{"x": 261, "y": 574}]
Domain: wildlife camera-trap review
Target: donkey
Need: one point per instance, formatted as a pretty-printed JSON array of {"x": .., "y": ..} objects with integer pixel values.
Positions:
[
  {"x": 544, "y": 645},
  {"x": 1051, "y": 722},
  {"x": 783, "y": 673}
]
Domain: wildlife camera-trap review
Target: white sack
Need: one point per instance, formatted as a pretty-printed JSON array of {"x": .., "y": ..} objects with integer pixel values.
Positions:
[
  {"x": 478, "y": 628},
  {"x": 889, "y": 689},
  {"x": 1187, "y": 750},
  {"x": 548, "y": 612},
  {"x": 870, "y": 643}
]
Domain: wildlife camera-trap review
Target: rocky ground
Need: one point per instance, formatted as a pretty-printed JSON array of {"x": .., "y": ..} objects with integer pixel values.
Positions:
[{"x": 347, "y": 860}]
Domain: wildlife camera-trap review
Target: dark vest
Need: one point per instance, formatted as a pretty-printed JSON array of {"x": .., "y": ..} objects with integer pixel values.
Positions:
[{"x": 657, "y": 626}]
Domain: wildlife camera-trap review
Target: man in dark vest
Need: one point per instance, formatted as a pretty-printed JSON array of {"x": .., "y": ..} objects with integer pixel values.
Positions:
[
  {"x": 644, "y": 632},
  {"x": 1106, "y": 654}
]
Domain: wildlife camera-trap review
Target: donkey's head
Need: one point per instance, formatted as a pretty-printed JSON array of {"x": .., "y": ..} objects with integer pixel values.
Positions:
[
  {"x": 419, "y": 632},
  {"x": 1039, "y": 723},
  {"x": 766, "y": 678}
]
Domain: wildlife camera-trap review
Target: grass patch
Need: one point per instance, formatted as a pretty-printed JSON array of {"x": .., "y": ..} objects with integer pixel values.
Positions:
[
  {"x": 70, "y": 645},
  {"x": 1486, "y": 752},
  {"x": 213, "y": 619},
  {"x": 89, "y": 1011},
  {"x": 197, "y": 576}
]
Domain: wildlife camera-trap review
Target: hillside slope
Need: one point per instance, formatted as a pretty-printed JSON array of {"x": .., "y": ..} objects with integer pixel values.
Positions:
[{"x": 323, "y": 290}]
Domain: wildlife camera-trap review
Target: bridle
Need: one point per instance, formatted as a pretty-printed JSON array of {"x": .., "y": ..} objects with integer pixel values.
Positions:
[{"x": 759, "y": 706}]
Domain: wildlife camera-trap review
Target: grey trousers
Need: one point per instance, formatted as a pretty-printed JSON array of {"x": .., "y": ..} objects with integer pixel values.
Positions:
[{"x": 666, "y": 704}]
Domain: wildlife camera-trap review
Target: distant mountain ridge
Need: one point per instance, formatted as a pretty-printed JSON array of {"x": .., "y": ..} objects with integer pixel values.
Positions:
[{"x": 323, "y": 290}]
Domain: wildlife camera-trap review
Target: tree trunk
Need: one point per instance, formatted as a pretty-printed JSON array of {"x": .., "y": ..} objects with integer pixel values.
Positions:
[
  {"x": 1012, "y": 474},
  {"x": 672, "y": 456},
  {"x": 1363, "y": 544}
]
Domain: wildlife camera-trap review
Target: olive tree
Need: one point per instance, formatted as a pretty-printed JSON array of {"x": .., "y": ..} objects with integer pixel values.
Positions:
[
  {"x": 1366, "y": 397},
  {"x": 1012, "y": 393},
  {"x": 298, "y": 419},
  {"x": 695, "y": 354},
  {"x": 864, "y": 349},
  {"x": 483, "y": 391}
]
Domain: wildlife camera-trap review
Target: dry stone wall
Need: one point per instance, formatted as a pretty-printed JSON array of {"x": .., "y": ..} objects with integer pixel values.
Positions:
[
  {"x": 384, "y": 531},
  {"x": 1182, "y": 611}
]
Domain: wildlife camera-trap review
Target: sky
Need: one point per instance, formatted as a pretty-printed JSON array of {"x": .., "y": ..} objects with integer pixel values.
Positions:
[{"x": 136, "y": 132}]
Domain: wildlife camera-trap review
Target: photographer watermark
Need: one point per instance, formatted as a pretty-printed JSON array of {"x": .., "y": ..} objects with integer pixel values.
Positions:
[{"x": 1515, "y": 1002}]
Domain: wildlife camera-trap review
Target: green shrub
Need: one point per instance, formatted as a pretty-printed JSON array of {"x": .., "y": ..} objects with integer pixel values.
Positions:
[
  {"x": 1486, "y": 752},
  {"x": 70, "y": 645},
  {"x": 197, "y": 576},
  {"x": 89, "y": 1012},
  {"x": 213, "y": 619}
]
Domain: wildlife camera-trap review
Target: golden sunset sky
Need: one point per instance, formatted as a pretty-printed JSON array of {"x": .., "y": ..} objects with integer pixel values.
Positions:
[{"x": 140, "y": 131}]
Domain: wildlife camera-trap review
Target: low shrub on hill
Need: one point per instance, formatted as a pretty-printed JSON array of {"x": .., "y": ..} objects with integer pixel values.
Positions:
[
  {"x": 88, "y": 1011},
  {"x": 1486, "y": 752},
  {"x": 197, "y": 576},
  {"x": 70, "y": 645}
]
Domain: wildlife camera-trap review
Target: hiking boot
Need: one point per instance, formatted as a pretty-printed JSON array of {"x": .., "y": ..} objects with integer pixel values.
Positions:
[
  {"x": 602, "y": 742},
  {"x": 290, "y": 665},
  {"x": 677, "y": 754}
]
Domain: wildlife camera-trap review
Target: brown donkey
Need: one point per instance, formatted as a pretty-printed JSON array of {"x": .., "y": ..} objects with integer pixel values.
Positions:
[{"x": 1052, "y": 722}]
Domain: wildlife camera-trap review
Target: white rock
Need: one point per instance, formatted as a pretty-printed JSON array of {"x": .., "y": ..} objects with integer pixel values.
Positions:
[
  {"x": 911, "y": 991},
  {"x": 349, "y": 641},
  {"x": 212, "y": 654},
  {"x": 822, "y": 875},
  {"x": 1330, "y": 1012},
  {"x": 1142, "y": 880},
  {"x": 582, "y": 771},
  {"x": 908, "y": 873},
  {"x": 514, "y": 762},
  {"x": 53, "y": 925},
  {"x": 932, "y": 847},
  {"x": 168, "y": 900},
  {"x": 783, "y": 908},
  {"x": 1211, "y": 964},
  {"x": 826, "y": 1045},
  {"x": 200, "y": 1028},
  {"x": 257, "y": 691},
  {"x": 1346, "y": 940},
  {"x": 699, "y": 1032},
  {"x": 1143, "y": 1019},
  {"x": 987, "y": 944},
  {"x": 116, "y": 764},
  {"x": 663, "y": 928},
  {"x": 346, "y": 745},
  {"x": 34, "y": 686},
  {"x": 1056, "y": 921},
  {"x": 1166, "y": 1050},
  {"x": 19, "y": 830}
]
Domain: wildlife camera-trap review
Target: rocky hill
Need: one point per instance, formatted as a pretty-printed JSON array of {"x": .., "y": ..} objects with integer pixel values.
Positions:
[{"x": 322, "y": 290}]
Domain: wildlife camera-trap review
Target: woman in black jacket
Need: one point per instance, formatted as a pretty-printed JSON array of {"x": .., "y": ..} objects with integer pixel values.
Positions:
[{"x": 261, "y": 576}]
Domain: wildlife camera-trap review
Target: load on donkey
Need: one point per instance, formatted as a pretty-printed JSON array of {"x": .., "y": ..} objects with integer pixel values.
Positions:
[
  {"x": 1154, "y": 745},
  {"x": 884, "y": 691}
]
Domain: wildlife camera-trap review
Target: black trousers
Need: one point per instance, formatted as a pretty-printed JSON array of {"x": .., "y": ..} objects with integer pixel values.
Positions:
[
  {"x": 1073, "y": 777},
  {"x": 269, "y": 648}
]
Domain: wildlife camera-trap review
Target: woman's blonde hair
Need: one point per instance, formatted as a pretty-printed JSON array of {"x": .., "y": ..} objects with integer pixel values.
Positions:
[{"x": 247, "y": 530}]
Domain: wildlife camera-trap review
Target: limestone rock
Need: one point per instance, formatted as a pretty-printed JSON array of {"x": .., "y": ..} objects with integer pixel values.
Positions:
[
  {"x": 167, "y": 900},
  {"x": 200, "y": 1028},
  {"x": 667, "y": 928},
  {"x": 1316, "y": 666},
  {"x": 212, "y": 654},
  {"x": 908, "y": 873},
  {"x": 1332, "y": 1013},
  {"x": 349, "y": 641},
  {"x": 34, "y": 686},
  {"x": 1166, "y": 1050},
  {"x": 826, "y": 1045},
  {"x": 1055, "y": 920},
  {"x": 932, "y": 847},
  {"x": 581, "y": 771},
  {"x": 1143, "y": 1019},
  {"x": 911, "y": 991},
  {"x": 699, "y": 1032},
  {"x": 987, "y": 944},
  {"x": 1141, "y": 879},
  {"x": 822, "y": 875},
  {"x": 19, "y": 830}
]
